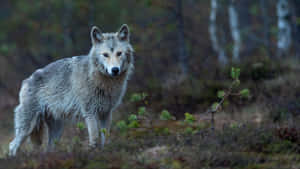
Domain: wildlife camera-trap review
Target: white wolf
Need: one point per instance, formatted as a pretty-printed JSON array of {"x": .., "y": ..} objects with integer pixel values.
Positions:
[{"x": 89, "y": 86}]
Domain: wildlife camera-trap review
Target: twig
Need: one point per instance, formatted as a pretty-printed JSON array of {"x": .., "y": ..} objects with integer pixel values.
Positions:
[{"x": 213, "y": 111}]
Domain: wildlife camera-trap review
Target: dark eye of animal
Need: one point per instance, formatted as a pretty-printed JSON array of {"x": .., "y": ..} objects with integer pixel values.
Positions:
[
  {"x": 105, "y": 55},
  {"x": 119, "y": 53}
]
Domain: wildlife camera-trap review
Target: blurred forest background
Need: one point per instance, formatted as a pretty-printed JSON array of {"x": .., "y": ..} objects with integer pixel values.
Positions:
[{"x": 184, "y": 50}]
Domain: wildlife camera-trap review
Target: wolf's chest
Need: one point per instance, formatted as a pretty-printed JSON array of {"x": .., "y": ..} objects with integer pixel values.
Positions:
[{"x": 106, "y": 99}]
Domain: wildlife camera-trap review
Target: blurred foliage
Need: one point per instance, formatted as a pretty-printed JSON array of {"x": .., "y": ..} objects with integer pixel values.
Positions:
[
  {"x": 189, "y": 118},
  {"x": 34, "y": 34},
  {"x": 165, "y": 115},
  {"x": 80, "y": 125},
  {"x": 136, "y": 97},
  {"x": 141, "y": 111}
]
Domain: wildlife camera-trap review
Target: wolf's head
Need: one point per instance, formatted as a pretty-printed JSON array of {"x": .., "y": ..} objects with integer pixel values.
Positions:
[{"x": 111, "y": 53}]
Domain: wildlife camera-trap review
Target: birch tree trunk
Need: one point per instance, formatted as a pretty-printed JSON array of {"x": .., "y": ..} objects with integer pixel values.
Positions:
[
  {"x": 235, "y": 31},
  {"x": 284, "y": 27},
  {"x": 218, "y": 48}
]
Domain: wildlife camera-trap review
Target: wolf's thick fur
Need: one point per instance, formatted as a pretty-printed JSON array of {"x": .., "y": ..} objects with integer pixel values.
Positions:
[{"x": 89, "y": 86}]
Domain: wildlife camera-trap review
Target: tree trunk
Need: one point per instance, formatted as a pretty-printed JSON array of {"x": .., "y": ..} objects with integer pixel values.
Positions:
[
  {"x": 296, "y": 27},
  {"x": 67, "y": 17},
  {"x": 91, "y": 13},
  {"x": 218, "y": 48},
  {"x": 235, "y": 31},
  {"x": 266, "y": 25},
  {"x": 284, "y": 27},
  {"x": 181, "y": 38}
]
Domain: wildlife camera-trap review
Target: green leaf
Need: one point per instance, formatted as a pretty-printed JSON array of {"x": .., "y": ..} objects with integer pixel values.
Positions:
[
  {"x": 135, "y": 97},
  {"x": 189, "y": 118},
  {"x": 133, "y": 124},
  {"x": 233, "y": 73},
  {"x": 188, "y": 130},
  {"x": 103, "y": 130},
  {"x": 165, "y": 115},
  {"x": 221, "y": 94},
  {"x": 122, "y": 126},
  {"x": 245, "y": 93},
  {"x": 80, "y": 125},
  {"x": 214, "y": 106},
  {"x": 141, "y": 111},
  {"x": 132, "y": 117}
]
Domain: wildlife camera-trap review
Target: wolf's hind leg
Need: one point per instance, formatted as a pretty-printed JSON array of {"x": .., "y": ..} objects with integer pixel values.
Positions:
[
  {"x": 19, "y": 139},
  {"x": 22, "y": 130},
  {"x": 55, "y": 130},
  {"x": 25, "y": 121}
]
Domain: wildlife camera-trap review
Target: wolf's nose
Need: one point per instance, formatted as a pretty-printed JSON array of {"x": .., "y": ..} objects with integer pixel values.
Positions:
[{"x": 115, "y": 70}]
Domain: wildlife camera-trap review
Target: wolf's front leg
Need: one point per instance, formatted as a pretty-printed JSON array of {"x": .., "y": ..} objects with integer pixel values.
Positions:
[
  {"x": 105, "y": 124},
  {"x": 92, "y": 125}
]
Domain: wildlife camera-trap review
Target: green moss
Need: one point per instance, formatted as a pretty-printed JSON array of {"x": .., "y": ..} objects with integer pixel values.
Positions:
[{"x": 96, "y": 165}]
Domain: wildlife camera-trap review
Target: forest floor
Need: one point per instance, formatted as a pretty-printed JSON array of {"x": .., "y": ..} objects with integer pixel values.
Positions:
[
  {"x": 142, "y": 142},
  {"x": 154, "y": 131}
]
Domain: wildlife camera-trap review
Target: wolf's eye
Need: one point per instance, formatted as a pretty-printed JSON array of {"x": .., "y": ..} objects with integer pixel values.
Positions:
[
  {"x": 105, "y": 55},
  {"x": 119, "y": 53}
]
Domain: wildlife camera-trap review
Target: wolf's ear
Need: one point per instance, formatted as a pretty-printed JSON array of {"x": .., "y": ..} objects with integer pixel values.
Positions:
[
  {"x": 96, "y": 35},
  {"x": 123, "y": 33}
]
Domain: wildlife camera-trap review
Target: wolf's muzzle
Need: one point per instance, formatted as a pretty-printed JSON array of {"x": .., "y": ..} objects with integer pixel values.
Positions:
[{"x": 115, "y": 71}]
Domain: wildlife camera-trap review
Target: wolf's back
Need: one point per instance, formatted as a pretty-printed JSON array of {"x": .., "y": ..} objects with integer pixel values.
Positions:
[{"x": 51, "y": 86}]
